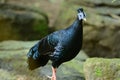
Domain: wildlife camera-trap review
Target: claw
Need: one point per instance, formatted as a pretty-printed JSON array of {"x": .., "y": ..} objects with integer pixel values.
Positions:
[{"x": 49, "y": 77}]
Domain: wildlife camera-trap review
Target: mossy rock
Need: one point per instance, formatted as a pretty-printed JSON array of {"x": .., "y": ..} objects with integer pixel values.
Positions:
[
  {"x": 13, "y": 64},
  {"x": 22, "y": 23},
  {"x": 102, "y": 69}
]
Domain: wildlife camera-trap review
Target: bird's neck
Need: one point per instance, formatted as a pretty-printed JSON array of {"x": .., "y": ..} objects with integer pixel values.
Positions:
[
  {"x": 76, "y": 31},
  {"x": 77, "y": 26}
]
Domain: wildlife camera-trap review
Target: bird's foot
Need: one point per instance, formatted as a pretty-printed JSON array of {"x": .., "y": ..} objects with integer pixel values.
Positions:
[
  {"x": 53, "y": 74},
  {"x": 52, "y": 78}
]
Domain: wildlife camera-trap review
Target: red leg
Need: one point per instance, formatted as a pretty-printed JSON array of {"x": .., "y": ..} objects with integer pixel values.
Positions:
[{"x": 53, "y": 74}]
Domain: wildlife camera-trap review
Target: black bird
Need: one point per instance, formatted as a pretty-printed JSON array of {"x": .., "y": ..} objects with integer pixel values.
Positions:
[{"x": 59, "y": 46}]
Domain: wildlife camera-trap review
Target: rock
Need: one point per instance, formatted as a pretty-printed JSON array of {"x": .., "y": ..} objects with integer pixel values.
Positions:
[
  {"x": 102, "y": 41},
  {"x": 100, "y": 29},
  {"x": 102, "y": 69},
  {"x": 13, "y": 64},
  {"x": 112, "y": 3},
  {"x": 16, "y": 21},
  {"x": 50, "y": 7}
]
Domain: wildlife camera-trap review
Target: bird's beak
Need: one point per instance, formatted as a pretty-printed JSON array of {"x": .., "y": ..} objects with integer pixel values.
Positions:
[{"x": 84, "y": 19}]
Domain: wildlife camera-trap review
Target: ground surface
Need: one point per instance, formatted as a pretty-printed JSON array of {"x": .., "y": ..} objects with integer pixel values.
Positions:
[{"x": 13, "y": 64}]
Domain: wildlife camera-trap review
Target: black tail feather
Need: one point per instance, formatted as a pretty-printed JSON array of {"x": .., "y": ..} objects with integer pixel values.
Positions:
[
  {"x": 37, "y": 55},
  {"x": 35, "y": 58},
  {"x": 35, "y": 63}
]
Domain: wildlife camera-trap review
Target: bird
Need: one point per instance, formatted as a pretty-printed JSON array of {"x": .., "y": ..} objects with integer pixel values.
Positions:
[{"x": 58, "y": 47}]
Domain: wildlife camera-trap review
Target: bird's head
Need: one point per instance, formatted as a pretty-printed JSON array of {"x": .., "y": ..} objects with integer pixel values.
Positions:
[{"x": 81, "y": 14}]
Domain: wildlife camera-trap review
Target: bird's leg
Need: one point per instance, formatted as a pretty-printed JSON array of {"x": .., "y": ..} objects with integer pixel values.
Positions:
[{"x": 53, "y": 74}]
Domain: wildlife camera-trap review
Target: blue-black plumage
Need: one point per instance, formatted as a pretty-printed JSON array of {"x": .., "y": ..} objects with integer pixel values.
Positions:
[{"x": 59, "y": 46}]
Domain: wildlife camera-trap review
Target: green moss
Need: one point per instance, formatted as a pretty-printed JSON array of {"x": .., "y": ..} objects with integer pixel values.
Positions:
[
  {"x": 41, "y": 28},
  {"x": 98, "y": 72},
  {"x": 102, "y": 69},
  {"x": 117, "y": 79}
]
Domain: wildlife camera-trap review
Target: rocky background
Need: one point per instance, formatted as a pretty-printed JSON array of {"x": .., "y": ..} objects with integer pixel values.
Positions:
[{"x": 22, "y": 22}]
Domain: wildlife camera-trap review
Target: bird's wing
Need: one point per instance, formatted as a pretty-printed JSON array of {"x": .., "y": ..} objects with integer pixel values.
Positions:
[
  {"x": 54, "y": 38},
  {"x": 58, "y": 52}
]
